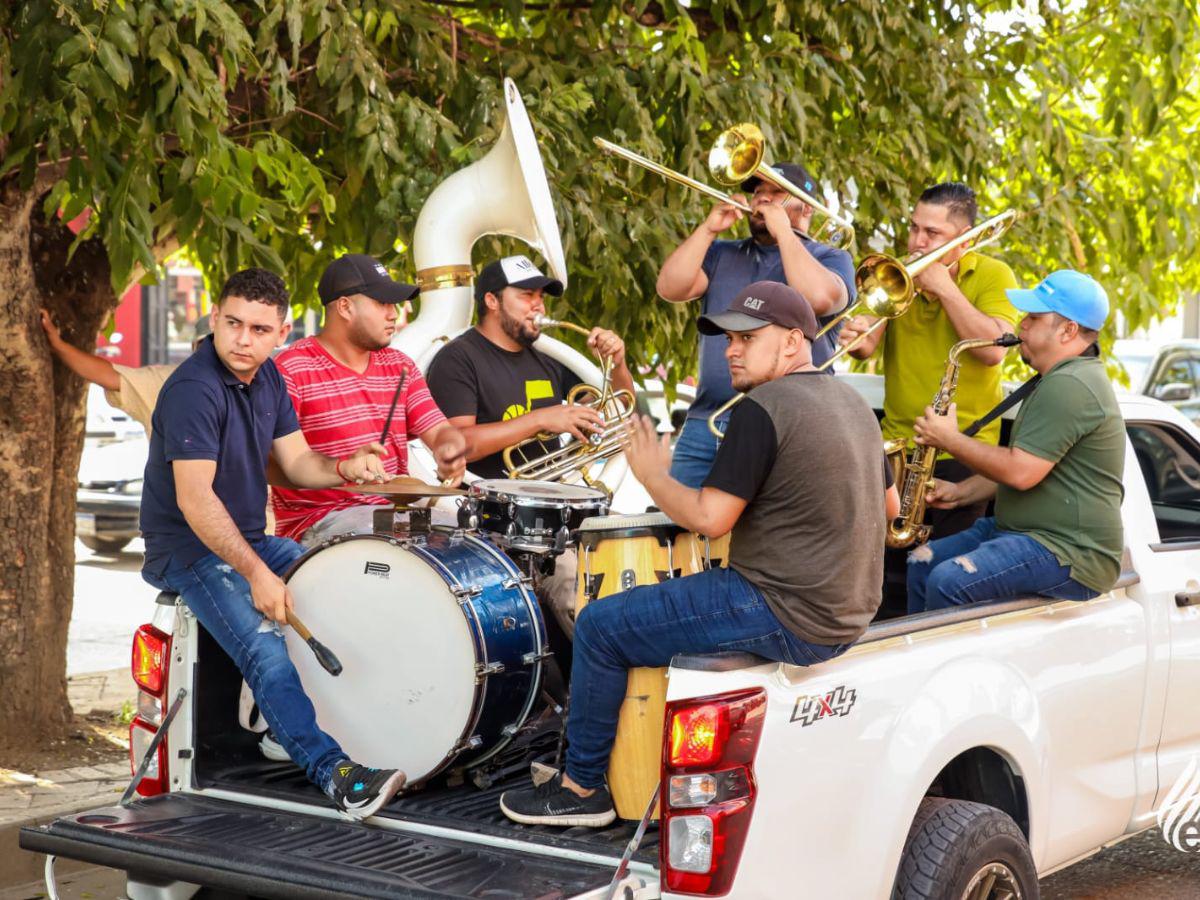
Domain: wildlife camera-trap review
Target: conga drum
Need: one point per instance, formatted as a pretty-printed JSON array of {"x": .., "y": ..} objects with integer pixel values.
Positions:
[
  {"x": 695, "y": 553},
  {"x": 617, "y": 553}
]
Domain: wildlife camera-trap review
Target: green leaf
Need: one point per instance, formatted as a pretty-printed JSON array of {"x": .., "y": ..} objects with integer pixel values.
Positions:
[{"x": 115, "y": 63}]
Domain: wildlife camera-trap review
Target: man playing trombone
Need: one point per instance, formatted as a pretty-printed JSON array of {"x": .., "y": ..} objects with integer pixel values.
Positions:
[
  {"x": 962, "y": 297},
  {"x": 714, "y": 271}
]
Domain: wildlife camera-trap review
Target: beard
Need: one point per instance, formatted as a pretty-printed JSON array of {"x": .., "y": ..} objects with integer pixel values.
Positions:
[
  {"x": 365, "y": 340},
  {"x": 520, "y": 330},
  {"x": 759, "y": 230}
]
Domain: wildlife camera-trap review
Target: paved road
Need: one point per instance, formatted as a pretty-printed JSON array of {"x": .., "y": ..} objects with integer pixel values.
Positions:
[{"x": 111, "y": 601}]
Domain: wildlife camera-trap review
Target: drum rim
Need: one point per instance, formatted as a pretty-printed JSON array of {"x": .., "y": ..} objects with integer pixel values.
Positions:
[{"x": 480, "y": 491}]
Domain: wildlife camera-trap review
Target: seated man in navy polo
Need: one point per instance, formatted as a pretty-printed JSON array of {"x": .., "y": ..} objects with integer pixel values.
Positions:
[{"x": 203, "y": 517}]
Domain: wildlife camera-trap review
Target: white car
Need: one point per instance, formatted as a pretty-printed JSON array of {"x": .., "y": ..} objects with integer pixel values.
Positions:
[
  {"x": 109, "y": 496},
  {"x": 956, "y": 753}
]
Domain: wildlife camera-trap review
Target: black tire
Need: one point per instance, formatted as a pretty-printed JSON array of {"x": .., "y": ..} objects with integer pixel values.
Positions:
[
  {"x": 952, "y": 842},
  {"x": 104, "y": 545}
]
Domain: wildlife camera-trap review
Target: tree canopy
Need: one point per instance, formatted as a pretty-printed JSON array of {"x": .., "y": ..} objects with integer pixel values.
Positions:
[{"x": 280, "y": 133}]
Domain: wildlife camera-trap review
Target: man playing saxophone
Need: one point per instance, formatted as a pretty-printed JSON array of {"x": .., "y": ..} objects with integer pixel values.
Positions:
[{"x": 1058, "y": 487}]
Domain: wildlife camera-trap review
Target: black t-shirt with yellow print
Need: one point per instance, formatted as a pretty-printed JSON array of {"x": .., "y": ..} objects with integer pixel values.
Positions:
[{"x": 471, "y": 376}]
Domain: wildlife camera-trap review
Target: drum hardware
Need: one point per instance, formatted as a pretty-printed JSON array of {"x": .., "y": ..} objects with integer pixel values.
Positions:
[
  {"x": 401, "y": 518},
  {"x": 483, "y": 670},
  {"x": 518, "y": 580},
  {"x": 628, "y": 579},
  {"x": 535, "y": 656},
  {"x": 508, "y": 623},
  {"x": 466, "y": 593}
]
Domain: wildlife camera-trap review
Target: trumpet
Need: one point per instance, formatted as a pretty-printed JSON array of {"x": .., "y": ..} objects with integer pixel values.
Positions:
[
  {"x": 885, "y": 283},
  {"x": 736, "y": 156},
  {"x": 575, "y": 456}
]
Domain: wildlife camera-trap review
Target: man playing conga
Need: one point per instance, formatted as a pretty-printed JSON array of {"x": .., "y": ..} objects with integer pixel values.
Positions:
[{"x": 804, "y": 573}]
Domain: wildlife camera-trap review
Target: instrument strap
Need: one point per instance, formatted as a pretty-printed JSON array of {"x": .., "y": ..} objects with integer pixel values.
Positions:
[{"x": 1003, "y": 406}]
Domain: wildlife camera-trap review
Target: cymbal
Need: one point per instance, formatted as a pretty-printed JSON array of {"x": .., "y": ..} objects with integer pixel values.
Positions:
[{"x": 404, "y": 486}]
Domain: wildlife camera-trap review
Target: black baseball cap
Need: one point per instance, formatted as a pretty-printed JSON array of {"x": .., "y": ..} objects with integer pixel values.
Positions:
[
  {"x": 514, "y": 271},
  {"x": 760, "y": 304},
  {"x": 793, "y": 172},
  {"x": 356, "y": 273}
]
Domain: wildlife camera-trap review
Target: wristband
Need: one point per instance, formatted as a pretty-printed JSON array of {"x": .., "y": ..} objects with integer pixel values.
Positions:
[{"x": 337, "y": 467}]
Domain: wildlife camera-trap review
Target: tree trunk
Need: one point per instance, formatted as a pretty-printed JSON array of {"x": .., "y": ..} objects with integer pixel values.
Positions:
[{"x": 41, "y": 438}]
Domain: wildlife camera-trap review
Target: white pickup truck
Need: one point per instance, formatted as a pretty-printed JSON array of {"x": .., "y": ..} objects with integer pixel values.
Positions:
[{"x": 953, "y": 754}]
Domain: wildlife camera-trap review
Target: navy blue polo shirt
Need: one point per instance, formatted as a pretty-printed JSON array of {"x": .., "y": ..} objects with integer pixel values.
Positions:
[
  {"x": 730, "y": 266},
  {"x": 204, "y": 411}
]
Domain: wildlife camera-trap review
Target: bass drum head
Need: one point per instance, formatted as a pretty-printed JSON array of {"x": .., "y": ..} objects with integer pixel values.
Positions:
[{"x": 406, "y": 694}]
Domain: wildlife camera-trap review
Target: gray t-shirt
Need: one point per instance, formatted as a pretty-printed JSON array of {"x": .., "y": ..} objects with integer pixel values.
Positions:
[{"x": 805, "y": 451}]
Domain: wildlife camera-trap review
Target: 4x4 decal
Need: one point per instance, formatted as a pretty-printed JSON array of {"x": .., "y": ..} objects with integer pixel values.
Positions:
[{"x": 811, "y": 708}]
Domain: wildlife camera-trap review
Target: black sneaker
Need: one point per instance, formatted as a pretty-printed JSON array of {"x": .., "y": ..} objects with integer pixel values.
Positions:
[
  {"x": 360, "y": 792},
  {"x": 552, "y": 804}
]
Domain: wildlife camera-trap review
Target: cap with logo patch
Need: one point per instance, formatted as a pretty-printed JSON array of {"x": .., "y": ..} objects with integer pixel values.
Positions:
[
  {"x": 514, "y": 271},
  {"x": 760, "y": 304},
  {"x": 356, "y": 273},
  {"x": 793, "y": 172}
]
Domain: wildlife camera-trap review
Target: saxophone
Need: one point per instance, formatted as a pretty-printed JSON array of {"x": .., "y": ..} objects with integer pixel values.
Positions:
[{"x": 908, "y": 527}]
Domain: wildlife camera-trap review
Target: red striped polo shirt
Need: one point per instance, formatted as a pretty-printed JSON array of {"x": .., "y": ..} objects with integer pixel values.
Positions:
[{"x": 339, "y": 411}]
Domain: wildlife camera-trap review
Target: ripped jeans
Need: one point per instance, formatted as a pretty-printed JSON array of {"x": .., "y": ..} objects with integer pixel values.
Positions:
[
  {"x": 985, "y": 563},
  {"x": 220, "y": 599},
  {"x": 646, "y": 626}
]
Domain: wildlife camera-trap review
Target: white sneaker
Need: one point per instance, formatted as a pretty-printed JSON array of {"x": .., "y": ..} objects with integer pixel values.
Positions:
[{"x": 272, "y": 749}]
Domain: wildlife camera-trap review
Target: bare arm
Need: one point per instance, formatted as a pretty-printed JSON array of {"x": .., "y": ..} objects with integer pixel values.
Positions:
[
  {"x": 450, "y": 449},
  {"x": 708, "y": 511},
  {"x": 492, "y": 437},
  {"x": 969, "y": 322},
  {"x": 682, "y": 277},
  {"x": 891, "y": 503},
  {"x": 208, "y": 518},
  {"x": 856, "y": 325},
  {"x": 1009, "y": 466},
  {"x": 87, "y": 366},
  {"x": 306, "y": 468},
  {"x": 824, "y": 290},
  {"x": 948, "y": 494}
]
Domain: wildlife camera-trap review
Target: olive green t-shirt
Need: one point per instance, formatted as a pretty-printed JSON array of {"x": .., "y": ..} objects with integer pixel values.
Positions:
[
  {"x": 1072, "y": 419},
  {"x": 916, "y": 344}
]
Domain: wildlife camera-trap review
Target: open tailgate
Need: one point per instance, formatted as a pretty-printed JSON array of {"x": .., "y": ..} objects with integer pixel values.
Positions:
[{"x": 272, "y": 853}]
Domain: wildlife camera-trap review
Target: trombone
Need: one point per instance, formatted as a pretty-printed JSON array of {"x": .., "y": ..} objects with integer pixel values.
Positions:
[
  {"x": 575, "y": 455},
  {"x": 886, "y": 290},
  {"x": 736, "y": 151},
  {"x": 885, "y": 283}
]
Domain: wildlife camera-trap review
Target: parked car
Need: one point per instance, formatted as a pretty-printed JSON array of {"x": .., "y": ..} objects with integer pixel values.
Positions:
[
  {"x": 105, "y": 423},
  {"x": 109, "y": 495},
  {"x": 1168, "y": 372}
]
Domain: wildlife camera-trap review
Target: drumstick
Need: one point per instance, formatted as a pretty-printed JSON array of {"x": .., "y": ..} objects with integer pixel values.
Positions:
[
  {"x": 324, "y": 655},
  {"x": 387, "y": 423}
]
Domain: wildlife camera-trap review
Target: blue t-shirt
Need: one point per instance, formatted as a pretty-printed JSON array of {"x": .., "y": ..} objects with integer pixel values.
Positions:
[
  {"x": 204, "y": 411},
  {"x": 730, "y": 266}
]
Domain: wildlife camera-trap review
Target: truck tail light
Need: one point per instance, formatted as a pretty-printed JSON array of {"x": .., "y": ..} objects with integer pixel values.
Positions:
[
  {"x": 708, "y": 789},
  {"x": 150, "y": 660},
  {"x": 151, "y": 650}
]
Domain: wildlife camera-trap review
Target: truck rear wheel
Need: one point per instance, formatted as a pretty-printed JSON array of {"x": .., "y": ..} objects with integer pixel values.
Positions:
[{"x": 959, "y": 850}]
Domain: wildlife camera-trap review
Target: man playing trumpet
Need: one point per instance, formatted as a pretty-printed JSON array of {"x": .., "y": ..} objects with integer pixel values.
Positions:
[{"x": 714, "y": 271}]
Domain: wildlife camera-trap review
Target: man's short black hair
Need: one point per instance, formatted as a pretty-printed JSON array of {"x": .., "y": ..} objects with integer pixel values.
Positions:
[
  {"x": 956, "y": 197},
  {"x": 259, "y": 285}
]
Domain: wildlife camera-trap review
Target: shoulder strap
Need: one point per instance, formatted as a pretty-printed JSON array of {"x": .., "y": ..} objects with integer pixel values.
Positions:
[{"x": 1003, "y": 406}]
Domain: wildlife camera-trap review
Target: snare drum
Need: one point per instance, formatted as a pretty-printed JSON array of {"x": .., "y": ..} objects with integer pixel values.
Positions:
[
  {"x": 537, "y": 516},
  {"x": 442, "y": 643}
]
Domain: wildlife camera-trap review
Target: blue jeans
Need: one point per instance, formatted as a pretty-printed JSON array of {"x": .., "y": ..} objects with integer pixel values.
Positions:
[
  {"x": 695, "y": 450},
  {"x": 985, "y": 563},
  {"x": 646, "y": 626},
  {"x": 220, "y": 599}
]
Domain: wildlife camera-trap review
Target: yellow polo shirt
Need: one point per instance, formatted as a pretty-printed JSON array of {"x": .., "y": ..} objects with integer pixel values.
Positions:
[{"x": 916, "y": 345}]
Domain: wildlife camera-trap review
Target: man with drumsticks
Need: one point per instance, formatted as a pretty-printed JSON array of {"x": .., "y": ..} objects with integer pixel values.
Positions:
[
  {"x": 714, "y": 271},
  {"x": 493, "y": 385},
  {"x": 349, "y": 387},
  {"x": 217, "y": 417},
  {"x": 804, "y": 573}
]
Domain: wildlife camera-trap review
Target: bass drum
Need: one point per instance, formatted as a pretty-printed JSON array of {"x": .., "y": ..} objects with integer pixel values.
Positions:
[{"x": 441, "y": 641}]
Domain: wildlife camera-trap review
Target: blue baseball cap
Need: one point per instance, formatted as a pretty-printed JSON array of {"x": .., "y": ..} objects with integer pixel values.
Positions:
[{"x": 1071, "y": 294}]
